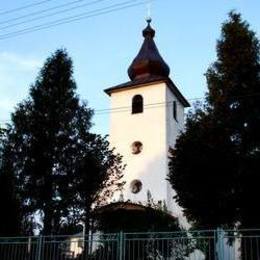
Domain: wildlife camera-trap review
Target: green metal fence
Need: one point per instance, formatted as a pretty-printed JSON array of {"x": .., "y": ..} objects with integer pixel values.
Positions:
[{"x": 188, "y": 245}]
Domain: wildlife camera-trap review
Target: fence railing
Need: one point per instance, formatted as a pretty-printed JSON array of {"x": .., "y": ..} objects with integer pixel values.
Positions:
[{"x": 186, "y": 245}]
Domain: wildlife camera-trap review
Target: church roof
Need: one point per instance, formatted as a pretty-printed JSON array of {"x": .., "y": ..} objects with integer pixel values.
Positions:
[
  {"x": 148, "y": 67},
  {"x": 127, "y": 206}
]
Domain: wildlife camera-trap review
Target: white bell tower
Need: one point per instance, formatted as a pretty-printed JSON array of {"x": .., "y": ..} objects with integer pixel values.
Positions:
[{"x": 147, "y": 114}]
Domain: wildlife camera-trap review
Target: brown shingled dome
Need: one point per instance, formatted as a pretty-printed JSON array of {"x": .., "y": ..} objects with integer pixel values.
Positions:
[{"x": 148, "y": 62}]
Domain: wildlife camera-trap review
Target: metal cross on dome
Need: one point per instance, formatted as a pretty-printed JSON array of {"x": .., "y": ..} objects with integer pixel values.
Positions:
[{"x": 149, "y": 15}]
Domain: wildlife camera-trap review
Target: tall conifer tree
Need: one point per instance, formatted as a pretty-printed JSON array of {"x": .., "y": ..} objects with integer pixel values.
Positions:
[
  {"x": 215, "y": 166},
  {"x": 46, "y": 140}
]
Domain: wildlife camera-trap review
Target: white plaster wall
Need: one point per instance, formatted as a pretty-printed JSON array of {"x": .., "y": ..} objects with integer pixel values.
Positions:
[
  {"x": 174, "y": 128},
  {"x": 156, "y": 129}
]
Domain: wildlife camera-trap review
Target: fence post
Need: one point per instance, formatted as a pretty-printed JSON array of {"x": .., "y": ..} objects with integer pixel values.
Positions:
[
  {"x": 121, "y": 245},
  {"x": 219, "y": 244},
  {"x": 39, "y": 248}
]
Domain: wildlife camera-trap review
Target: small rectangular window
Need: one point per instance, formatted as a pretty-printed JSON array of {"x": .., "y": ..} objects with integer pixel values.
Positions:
[{"x": 175, "y": 110}]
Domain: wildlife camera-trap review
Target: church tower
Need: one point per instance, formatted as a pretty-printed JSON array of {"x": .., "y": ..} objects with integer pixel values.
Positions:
[{"x": 147, "y": 114}]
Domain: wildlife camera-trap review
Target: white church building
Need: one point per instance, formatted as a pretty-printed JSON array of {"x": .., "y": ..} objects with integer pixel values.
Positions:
[{"x": 147, "y": 115}]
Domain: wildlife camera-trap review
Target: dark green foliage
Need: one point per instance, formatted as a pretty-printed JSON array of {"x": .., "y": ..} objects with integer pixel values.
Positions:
[
  {"x": 10, "y": 217},
  {"x": 199, "y": 168},
  {"x": 139, "y": 223},
  {"x": 60, "y": 166},
  {"x": 97, "y": 174},
  {"x": 41, "y": 135},
  {"x": 216, "y": 163}
]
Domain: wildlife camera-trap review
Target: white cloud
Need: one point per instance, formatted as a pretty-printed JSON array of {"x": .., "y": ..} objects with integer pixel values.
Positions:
[
  {"x": 20, "y": 62},
  {"x": 17, "y": 72}
]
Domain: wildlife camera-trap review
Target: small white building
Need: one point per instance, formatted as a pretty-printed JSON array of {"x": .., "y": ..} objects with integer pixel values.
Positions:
[{"x": 147, "y": 115}]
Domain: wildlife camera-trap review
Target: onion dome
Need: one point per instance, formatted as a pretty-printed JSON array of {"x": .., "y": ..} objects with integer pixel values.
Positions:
[
  {"x": 149, "y": 68},
  {"x": 148, "y": 62}
]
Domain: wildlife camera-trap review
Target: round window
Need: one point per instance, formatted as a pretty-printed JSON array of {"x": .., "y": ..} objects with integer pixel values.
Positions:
[
  {"x": 137, "y": 147},
  {"x": 136, "y": 186}
]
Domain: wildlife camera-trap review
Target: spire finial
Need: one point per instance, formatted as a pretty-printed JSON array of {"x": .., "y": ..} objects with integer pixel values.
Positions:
[
  {"x": 148, "y": 31},
  {"x": 149, "y": 16}
]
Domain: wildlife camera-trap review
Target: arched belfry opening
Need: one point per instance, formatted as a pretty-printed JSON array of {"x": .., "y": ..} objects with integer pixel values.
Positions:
[{"x": 137, "y": 104}]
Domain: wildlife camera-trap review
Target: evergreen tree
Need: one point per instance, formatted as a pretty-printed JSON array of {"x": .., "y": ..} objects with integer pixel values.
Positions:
[
  {"x": 234, "y": 94},
  {"x": 215, "y": 166},
  {"x": 46, "y": 140},
  {"x": 41, "y": 132}
]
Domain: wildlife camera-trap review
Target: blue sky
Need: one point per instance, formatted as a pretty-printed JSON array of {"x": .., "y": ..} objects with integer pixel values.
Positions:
[{"x": 103, "y": 47}]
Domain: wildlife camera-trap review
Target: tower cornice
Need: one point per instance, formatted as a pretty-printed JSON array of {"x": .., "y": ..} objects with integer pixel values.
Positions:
[{"x": 147, "y": 82}]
